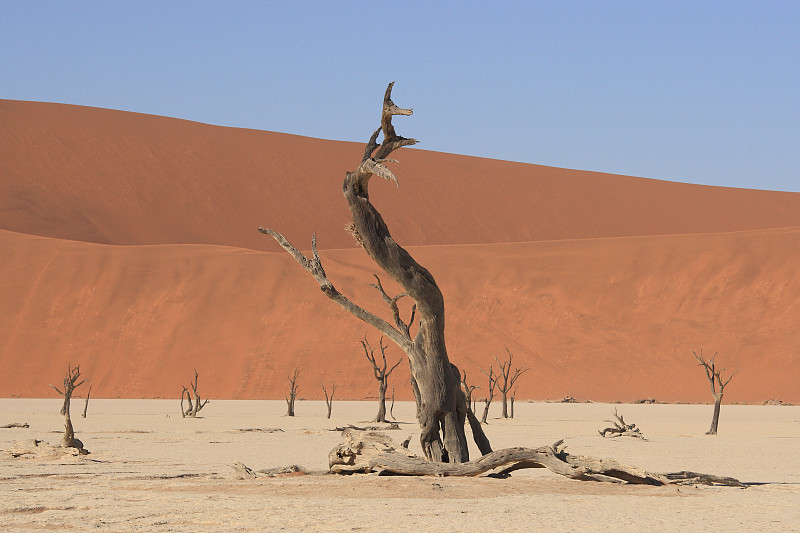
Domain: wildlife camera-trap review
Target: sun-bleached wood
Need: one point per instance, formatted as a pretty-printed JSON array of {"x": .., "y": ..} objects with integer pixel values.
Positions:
[{"x": 370, "y": 451}]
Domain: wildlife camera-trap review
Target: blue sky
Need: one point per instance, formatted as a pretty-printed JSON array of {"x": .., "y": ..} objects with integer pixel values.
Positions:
[{"x": 702, "y": 92}]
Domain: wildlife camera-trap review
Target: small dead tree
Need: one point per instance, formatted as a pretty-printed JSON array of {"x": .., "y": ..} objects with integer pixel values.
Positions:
[
  {"x": 506, "y": 380},
  {"x": 381, "y": 374},
  {"x": 621, "y": 428},
  {"x": 391, "y": 406},
  {"x": 329, "y": 399},
  {"x": 195, "y": 407},
  {"x": 293, "y": 388},
  {"x": 714, "y": 376},
  {"x": 487, "y": 401},
  {"x": 86, "y": 403},
  {"x": 70, "y": 384}
]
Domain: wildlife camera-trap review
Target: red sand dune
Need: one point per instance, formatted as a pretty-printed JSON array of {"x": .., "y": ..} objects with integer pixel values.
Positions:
[{"x": 635, "y": 273}]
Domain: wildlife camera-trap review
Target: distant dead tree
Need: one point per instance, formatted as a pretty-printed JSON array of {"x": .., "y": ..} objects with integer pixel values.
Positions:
[
  {"x": 508, "y": 379},
  {"x": 293, "y": 388},
  {"x": 329, "y": 400},
  {"x": 435, "y": 381},
  {"x": 391, "y": 406},
  {"x": 86, "y": 403},
  {"x": 381, "y": 373},
  {"x": 487, "y": 401},
  {"x": 70, "y": 384},
  {"x": 193, "y": 409},
  {"x": 714, "y": 376}
]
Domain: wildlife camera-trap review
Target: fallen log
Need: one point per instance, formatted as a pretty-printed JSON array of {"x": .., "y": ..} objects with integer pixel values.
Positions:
[{"x": 370, "y": 451}]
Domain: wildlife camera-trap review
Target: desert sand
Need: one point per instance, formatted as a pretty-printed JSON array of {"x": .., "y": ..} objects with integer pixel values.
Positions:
[
  {"x": 151, "y": 470},
  {"x": 128, "y": 245}
]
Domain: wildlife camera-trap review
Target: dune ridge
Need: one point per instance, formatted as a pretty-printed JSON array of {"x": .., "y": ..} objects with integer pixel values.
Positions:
[{"x": 115, "y": 177}]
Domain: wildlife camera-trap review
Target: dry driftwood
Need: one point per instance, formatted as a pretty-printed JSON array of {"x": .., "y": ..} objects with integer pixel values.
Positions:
[
  {"x": 367, "y": 451},
  {"x": 15, "y": 425},
  {"x": 621, "y": 428},
  {"x": 245, "y": 472},
  {"x": 35, "y": 448},
  {"x": 388, "y": 426}
]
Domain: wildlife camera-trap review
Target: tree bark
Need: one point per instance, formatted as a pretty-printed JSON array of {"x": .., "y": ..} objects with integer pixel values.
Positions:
[{"x": 715, "y": 417}]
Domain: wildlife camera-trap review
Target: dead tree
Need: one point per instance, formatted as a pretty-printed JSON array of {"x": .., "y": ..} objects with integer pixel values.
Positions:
[
  {"x": 70, "y": 384},
  {"x": 506, "y": 380},
  {"x": 487, "y": 401},
  {"x": 435, "y": 382},
  {"x": 86, "y": 403},
  {"x": 381, "y": 374},
  {"x": 391, "y": 407},
  {"x": 329, "y": 400},
  {"x": 293, "y": 388},
  {"x": 621, "y": 428},
  {"x": 717, "y": 386},
  {"x": 193, "y": 409}
]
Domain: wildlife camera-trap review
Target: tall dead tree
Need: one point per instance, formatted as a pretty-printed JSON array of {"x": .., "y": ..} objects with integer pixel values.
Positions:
[
  {"x": 381, "y": 373},
  {"x": 70, "y": 384},
  {"x": 506, "y": 380},
  {"x": 329, "y": 399},
  {"x": 435, "y": 381},
  {"x": 195, "y": 407},
  {"x": 293, "y": 388},
  {"x": 487, "y": 401},
  {"x": 714, "y": 376}
]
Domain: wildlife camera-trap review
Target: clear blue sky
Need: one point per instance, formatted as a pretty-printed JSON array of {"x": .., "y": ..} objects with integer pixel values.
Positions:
[{"x": 697, "y": 91}]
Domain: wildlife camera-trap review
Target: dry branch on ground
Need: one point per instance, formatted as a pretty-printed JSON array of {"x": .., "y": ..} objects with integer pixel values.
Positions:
[{"x": 366, "y": 451}]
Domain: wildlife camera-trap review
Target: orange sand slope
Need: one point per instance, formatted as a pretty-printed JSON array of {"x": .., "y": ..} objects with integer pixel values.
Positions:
[
  {"x": 606, "y": 319},
  {"x": 626, "y": 277},
  {"x": 114, "y": 177}
]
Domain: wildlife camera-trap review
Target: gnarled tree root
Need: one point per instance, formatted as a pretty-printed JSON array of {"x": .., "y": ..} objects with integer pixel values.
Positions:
[{"x": 369, "y": 451}]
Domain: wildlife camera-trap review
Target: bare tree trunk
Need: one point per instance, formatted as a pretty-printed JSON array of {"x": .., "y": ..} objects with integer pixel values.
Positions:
[
  {"x": 486, "y": 403},
  {"x": 512, "y": 406},
  {"x": 715, "y": 417},
  {"x": 329, "y": 400},
  {"x": 86, "y": 403},
  {"x": 381, "y": 416},
  {"x": 441, "y": 407},
  {"x": 391, "y": 408}
]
